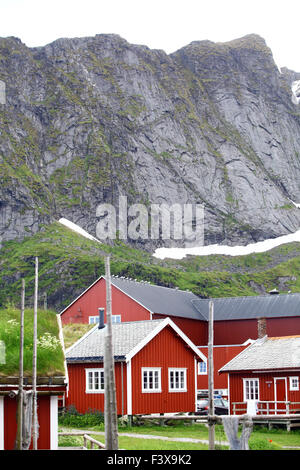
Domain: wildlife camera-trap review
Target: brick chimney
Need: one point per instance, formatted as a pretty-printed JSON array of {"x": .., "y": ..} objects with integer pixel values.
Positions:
[{"x": 261, "y": 327}]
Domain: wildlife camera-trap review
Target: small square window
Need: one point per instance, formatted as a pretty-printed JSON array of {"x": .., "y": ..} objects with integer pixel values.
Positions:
[
  {"x": 202, "y": 368},
  {"x": 93, "y": 319},
  {"x": 294, "y": 383},
  {"x": 116, "y": 318}
]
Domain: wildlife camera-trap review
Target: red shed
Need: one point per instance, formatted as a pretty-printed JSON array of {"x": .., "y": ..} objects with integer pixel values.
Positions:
[
  {"x": 155, "y": 369},
  {"x": 49, "y": 389},
  {"x": 266, "y": 375},
  {"x": 51, "y": 377}
]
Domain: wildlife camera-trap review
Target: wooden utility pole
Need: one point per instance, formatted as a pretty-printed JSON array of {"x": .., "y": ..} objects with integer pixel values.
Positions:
[
  {"x": 110, "y": 407},
  {"x": 34, "y": 365},
  {"x": 19, "y": 440},
  {"x": 211, "y": 377}
]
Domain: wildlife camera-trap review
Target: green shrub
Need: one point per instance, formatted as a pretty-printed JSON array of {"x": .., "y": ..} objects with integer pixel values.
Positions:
[{"x": 71, "y": 417}]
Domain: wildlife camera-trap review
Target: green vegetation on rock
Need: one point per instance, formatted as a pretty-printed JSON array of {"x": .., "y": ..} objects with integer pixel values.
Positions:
[{"x": 69, "y": 263}]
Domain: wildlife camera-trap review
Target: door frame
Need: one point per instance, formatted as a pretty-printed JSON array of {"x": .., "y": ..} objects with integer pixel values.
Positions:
[{"x": 275, "y": 392}]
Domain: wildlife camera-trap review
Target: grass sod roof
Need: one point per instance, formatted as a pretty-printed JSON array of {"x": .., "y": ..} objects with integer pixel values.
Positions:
[{"x": 50, "y": 355}]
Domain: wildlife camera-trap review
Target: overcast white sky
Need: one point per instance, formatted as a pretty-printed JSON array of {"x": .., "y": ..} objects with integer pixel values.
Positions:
[{"x": 159, "y": 24}]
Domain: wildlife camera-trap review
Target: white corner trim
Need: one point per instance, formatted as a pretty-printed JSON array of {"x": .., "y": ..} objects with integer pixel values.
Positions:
[
  {"x": 54, "y": 422},
  {"x": 2, "y": 423},
  {"x": 196, "y": 380},
  {"x": 129, "y": 389}
]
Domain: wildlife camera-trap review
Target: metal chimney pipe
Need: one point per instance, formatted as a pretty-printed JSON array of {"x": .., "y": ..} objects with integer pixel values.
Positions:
[{"x": 101, "y": 319}]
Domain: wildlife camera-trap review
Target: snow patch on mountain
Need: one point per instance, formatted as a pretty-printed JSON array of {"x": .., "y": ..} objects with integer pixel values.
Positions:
[{"x": 259, "y": 247}]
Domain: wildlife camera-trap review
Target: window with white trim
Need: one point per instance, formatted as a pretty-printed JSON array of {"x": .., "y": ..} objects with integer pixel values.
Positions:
[
  {"x": 294, "y": 383},
  {"x": 251, "y": 389},
  {"x": 177, "y": 380},
  {"x": 202, "y": 368},
  {"x": 95, "y": 319},
  {"x": 116, "y": 318},
  {"x": 94, "y": 380},
  {"x": 151, "y": 379}
]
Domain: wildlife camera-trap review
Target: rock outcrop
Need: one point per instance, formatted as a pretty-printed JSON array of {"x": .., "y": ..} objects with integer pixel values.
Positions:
[{"x": 86, "y": 120}]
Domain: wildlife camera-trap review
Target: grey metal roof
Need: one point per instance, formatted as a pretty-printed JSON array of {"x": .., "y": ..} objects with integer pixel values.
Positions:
[
  {"x": 125, "y": 335},
  {"x": 235, "y": 308},
  {"x": 267, "y": 353},
  {"x": 158, "y": 299}
]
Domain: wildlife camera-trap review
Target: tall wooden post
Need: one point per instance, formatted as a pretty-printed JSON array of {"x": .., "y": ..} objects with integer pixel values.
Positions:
[
  {"x": 211, "y": 377},
  {"x": 19, "y": 440},
  {"x": 34, "y": 365},
  {"x": 110, "y": 407}
]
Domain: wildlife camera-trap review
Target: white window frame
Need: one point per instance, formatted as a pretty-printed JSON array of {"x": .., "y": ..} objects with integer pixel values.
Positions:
[
  {"x": 116, "y": 318},
  {"x": 147, "y": 389},
  {"x": 201, "y": 372},
  {"x": 254, "y": 396},
  {"x": 180, "y": 370},
  {"x": 294, "y": 387},
  {"x": 1, "y": 422},
  {"x": 93, "y": 389},
  {"x": 93, "y": 319}
]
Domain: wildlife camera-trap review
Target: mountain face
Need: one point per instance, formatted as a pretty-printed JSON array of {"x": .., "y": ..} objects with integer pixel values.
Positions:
[{"x": 87, "y": 120}]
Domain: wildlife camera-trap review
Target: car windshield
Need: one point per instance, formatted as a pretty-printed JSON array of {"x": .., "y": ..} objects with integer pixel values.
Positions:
[
  {"x": 202, "y": 402},
  {"x": 218, "y": 402}
]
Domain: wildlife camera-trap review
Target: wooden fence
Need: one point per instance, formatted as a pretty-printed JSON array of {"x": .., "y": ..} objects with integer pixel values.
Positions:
[{"x": 86, "y": 440}]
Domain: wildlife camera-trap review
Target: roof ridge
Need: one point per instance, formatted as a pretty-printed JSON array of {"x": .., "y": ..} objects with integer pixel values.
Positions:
[
  {"x": 238, "y": 297},
  {"x": 148, "y": 283},
  {"x": 137, "y": 321}
]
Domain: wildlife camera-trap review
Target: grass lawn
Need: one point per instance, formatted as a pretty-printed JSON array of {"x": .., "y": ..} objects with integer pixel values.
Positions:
[{"x": 261, "y": 438}]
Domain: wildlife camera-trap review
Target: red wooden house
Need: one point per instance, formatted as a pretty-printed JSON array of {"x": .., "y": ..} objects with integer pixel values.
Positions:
[
  {"x": 236, "y": 319},
  {"x": 134, "y": 301},
  {"x": 155, "y": 369},
  {"x": 266, "y": 374}
]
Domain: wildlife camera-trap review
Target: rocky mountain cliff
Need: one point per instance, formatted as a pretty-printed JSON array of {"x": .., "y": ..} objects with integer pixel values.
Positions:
[{"x": 86, "y": 120}]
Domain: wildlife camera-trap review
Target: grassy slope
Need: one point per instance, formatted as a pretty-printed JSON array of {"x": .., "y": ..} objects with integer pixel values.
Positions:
[{"x": 69, "y": 263}]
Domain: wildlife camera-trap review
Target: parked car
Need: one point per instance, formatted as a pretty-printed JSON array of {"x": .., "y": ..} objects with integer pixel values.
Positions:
[{"x": 220, "y": 406}]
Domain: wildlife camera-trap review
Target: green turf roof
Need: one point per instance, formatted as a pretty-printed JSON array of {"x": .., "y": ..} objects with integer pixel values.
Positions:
[{"x": 50, "y": 355}]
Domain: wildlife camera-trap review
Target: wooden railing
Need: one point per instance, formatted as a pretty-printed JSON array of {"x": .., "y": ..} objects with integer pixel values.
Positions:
[
  {"x": 86, "y": 438},
  {"x": 268, "y": 407}
]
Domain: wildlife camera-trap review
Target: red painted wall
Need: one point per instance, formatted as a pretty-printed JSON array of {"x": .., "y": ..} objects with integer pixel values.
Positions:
[
  {"x": 95, "y": 298},
  {"x": 195, "y": 330},
  {"x": 83, "y": 402},
  {"x": 238, "y": 331},
  {"x": 10, "y": 422},
  {"x": 221, "y": 355},
  {"x": 165, "y": 350}
]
